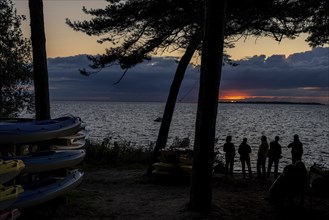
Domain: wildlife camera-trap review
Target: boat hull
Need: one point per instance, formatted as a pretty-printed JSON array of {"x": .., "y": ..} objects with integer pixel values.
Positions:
[
  {"x": 9, "y": 169},
  {"x": 8, "y": 195},
  {"x": 12, "y": 132},
  {"x": 50, "y": 160},
  {"x": 66, "y": 140},
  {"x": 79, "y": 144},
  {"x": 36, "y": 196}
]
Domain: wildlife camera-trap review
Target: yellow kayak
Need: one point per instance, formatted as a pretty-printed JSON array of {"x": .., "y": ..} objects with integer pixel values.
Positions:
[
  {"x": 168, "y": 167},
  {"x": 8, "y": 195},
  {"x": 187, "y": 169},
  {"x": 9, "y": 169}
]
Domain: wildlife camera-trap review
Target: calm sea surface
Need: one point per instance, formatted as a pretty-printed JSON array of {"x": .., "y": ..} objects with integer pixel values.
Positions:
[{"x": 135, "y": 122}]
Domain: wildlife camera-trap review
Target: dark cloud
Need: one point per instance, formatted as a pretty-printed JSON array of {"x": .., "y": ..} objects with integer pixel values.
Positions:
[
  {"x": 149, "y": 81},
  {"x": 298, "y": 75},
  {"x": 301, "y": 75}
]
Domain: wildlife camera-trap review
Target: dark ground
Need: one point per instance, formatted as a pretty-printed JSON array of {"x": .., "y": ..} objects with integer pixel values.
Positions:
[{"x": 123, "y": 193}]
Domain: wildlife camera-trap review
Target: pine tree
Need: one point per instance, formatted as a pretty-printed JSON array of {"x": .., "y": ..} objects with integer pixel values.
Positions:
[
  {"x": 138, "y": 28},
  {"x": 16, "y": 92}
]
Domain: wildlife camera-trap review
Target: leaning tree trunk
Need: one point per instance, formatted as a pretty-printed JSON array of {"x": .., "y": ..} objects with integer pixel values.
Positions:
[
  {"x": 172, "y": 97},
  {"x": 211, "y": 67},
  {"x": 41, "y": 86}
]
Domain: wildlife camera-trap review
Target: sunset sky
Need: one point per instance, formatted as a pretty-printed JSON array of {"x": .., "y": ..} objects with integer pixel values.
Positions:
[{"x": 63, "y": 42}]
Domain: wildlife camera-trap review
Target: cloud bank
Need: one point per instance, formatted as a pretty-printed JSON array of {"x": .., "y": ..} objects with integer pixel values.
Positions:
[{"x": 299, "y": 77}]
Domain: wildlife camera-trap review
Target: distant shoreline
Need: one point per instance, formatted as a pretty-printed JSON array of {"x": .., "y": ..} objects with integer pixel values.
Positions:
[
  {"x": 224, "y": 102},
  {"x": 271, "y": 102}
]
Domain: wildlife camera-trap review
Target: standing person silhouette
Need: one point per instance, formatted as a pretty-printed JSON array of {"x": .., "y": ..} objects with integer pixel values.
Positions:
[
  {"x": 261, "y": 158},
  {"x": 244, "y": 151},
  {"x": 229, "y": 150},
  {"x": 296, "y": 149},
  {"x": 274, "y": 155}
]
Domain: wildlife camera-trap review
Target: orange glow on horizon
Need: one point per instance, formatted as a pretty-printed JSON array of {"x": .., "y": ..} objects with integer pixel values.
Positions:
[
  {"x": 240, "y": 96},
  {"x": 233, "y": 95}
]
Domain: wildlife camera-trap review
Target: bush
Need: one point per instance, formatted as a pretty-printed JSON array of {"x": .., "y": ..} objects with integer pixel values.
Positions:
[
  {"x": 180, "y": 143},
  {"x": 117, "y": 152}
]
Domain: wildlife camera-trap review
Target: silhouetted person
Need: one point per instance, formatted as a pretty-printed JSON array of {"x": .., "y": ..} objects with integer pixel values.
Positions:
[
  {"x": 229, "y": 150},
  {"x": 244, "y": 151},
  {"x": 261, "y": 157},
  {"x": 274, "y": 155},
  {"x": 283, "y": 185},
  {"x": 293, "y": 181},
  {"x": 296, "y": 149},
  {"x": 301, "y": 179}
]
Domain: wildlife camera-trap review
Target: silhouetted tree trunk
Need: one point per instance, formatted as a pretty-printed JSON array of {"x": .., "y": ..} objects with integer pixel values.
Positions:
[
  {"x": 41, "y": 86},
  {"x": 211, "y": 67},
  {"x": 172, "y": 97}
]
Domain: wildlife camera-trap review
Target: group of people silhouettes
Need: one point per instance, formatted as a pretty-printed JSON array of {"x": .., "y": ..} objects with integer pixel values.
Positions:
[{"x": 272, "y": 151}]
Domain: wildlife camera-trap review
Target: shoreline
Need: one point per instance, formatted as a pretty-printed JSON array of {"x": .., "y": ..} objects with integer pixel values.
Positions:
[{"x": 219, "y": 102}]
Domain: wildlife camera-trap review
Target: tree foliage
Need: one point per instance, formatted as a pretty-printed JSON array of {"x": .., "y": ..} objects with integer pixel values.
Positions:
[
  {"x": 318, "y": 23},
  {"x": 15, "y": 63},
  {"x": 139, "y": 28}
]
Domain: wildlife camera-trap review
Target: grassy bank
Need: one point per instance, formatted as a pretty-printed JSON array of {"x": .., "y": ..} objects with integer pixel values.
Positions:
[
  {"x": 116, "y": 153},
  {"x": 123, "y": 152}
]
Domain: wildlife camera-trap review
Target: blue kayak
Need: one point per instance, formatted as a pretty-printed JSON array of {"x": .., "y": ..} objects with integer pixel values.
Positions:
[
  {"x": 44, "y": 161},
  {"x": 25, "y": 132},
  {"x": 48, "y": 190}
]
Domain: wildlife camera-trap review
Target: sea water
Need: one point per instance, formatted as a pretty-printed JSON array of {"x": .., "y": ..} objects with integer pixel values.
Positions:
[{"x": 134, "y": 122}]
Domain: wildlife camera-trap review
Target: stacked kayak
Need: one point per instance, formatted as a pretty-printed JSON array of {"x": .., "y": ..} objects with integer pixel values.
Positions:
[
  {"x": 12, "y": 132},
  {"x": 38, "y": 160},
  {"x": 79, "y": 144},
  {"x": 8, "y": 195},
  {"x": 47, "y": 189},
  {"x": 71, "y": 142},
  {"x": 174, "y": 163},
  {"x": 44, "y": 161},
  {"x": 9, "y": 169}
]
